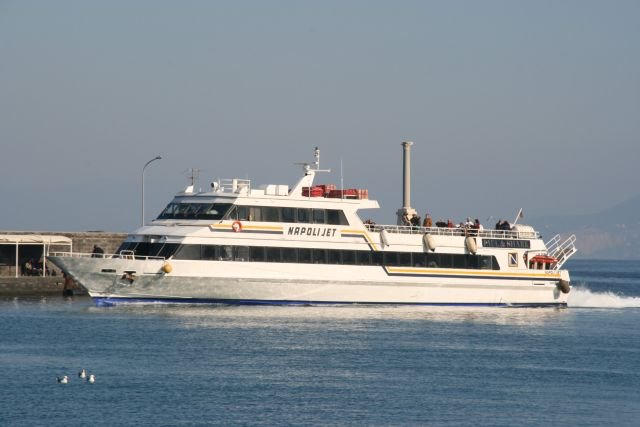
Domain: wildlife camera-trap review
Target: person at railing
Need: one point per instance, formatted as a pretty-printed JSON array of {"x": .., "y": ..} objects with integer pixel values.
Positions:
[
  {"x": 449, "y": 223},
  {"x": 503, "y": 225},
  {"x": 97, "y": 252},
  {"x": 415, "y": 220},
  {"x": 428, "y": 222},
  {"x": 405, "y": 219}
]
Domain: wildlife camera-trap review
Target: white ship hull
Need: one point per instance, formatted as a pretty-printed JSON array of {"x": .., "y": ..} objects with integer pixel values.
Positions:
[
  {"x": 268, "y": 283},
  {"x": 308, "y": 245}
]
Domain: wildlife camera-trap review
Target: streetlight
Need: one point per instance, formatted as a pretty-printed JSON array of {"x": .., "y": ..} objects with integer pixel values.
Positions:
[{"x": 144, "y": 167}]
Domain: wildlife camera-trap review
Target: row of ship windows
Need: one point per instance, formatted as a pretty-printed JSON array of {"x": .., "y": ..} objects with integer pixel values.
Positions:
[
  {"x": 311, "y": 256},
  {"x": 218, "y": 211}
]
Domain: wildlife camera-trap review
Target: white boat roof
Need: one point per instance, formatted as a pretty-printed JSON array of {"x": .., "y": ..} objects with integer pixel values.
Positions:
[{"x": 33, "y": 239}]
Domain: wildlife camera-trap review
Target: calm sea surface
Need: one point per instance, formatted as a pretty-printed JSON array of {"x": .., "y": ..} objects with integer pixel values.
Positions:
[{"x": 218, "y": 365}]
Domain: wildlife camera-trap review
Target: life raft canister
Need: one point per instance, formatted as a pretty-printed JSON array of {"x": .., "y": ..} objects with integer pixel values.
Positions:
[{"x": 236, "y": 226}]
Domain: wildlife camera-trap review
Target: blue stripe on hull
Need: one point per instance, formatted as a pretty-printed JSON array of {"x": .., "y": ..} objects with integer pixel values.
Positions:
[{"x": 112, "y": 301}]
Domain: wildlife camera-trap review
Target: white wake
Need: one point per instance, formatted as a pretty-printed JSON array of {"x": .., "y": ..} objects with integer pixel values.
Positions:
[{"x": 583, "y": 297}]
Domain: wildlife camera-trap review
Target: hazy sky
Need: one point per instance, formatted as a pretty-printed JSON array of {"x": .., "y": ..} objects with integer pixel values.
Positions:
[{"x": 510, "y": 104}]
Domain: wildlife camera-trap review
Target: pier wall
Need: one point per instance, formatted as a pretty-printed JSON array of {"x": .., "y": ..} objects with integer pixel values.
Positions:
[{"x": 82, "y": 242}]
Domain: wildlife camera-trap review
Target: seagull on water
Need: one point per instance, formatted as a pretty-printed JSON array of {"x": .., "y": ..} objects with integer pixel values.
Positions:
[
  {"x": 63, "y": 380},
  {"x": 91, "y": 379},
  {"x": 82, "y": 374}
]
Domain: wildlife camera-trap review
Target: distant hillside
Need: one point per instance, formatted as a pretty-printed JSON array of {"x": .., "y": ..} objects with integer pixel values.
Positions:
[{"x": 611, "y": 234}]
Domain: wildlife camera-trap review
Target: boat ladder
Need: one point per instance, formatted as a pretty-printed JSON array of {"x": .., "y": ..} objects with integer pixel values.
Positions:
[{"x": 561, "y": 251}]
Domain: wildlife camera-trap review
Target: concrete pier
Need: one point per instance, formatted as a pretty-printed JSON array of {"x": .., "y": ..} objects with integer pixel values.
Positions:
[{"x": 83, "y": 242}]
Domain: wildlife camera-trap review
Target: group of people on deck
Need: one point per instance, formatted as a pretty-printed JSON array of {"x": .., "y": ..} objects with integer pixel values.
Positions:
[{"x": 414, "y": 221}]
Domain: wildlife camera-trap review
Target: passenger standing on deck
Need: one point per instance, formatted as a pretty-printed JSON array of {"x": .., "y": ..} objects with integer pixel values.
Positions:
[
  {"x": 97, "y": 252},
  {"x": 428, "y": 222}
]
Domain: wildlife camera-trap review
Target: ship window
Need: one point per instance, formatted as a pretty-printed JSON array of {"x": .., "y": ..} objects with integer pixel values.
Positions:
[
  {"x": 459, "y": 261},
  {"x": 304, "y": 215},
  {"x": 431, "y": 260},
  {"x": 188, "y": 252},
  {"x": 213, "y": 211},
  {"x": 333, "y": 256},
  {"x": 241, "y": 253},
  {"x": 348, "y": 257},
  {"x": 319, "y": 256},
  {"x": 169, "y": 211},
  {"x": 142, "y": 249},
  {"x": 363, "y": 258},
  {"x": 289, "y": 214},
  {"x": 243, "y": 213},
  {"x": 270, "y": 214},
  {"x": 209, "y": 252},
  {"x": 390, "y": 258},
  {"x": 304, "y": 255},
  {"x": 336, "y": 217},
  {"x": 404, "y": 259},
  {"x": 488, "y": 263},
  {"x": 289, "y": 255},
  {"x": 376, "y": 258},
  {"x": 318, "y": 216},
  {"x": 126, "y": 246},
  {"x": 256, "y": 253},
  {"x": 167, "y": 250},
  {"x": 273, "y": 255},
  {"x": 226, "y": 253},
  {"x": 472, "y": 261},
  {"x": 445, "y": 261},
  {"x": 255, "y": 213}
]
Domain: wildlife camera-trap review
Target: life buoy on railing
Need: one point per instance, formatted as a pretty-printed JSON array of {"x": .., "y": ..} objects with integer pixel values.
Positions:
[{"x": 236, "y": 226}]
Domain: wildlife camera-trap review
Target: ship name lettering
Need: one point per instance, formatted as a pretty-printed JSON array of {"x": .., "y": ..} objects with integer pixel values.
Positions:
[{"x": 312, "y": 231}]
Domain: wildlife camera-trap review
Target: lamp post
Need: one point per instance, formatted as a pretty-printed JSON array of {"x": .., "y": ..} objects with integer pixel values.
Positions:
[{"x": 143, "y": 168}]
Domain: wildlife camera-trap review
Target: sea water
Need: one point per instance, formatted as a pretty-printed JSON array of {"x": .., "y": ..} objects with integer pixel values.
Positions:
[{"x": 356, "y": 365}]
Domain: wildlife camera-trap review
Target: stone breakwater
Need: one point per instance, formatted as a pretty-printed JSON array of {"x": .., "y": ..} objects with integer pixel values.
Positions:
[{"x": 83, "y": 242}]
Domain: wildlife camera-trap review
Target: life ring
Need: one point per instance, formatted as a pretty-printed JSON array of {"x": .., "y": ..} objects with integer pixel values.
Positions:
[{"x": 236, "y": 226}]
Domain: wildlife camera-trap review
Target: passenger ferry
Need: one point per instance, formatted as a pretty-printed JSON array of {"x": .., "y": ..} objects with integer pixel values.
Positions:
[{"x": 307, "y": 244}]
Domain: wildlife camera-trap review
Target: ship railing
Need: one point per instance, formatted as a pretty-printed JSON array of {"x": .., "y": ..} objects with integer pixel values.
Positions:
[
  {"x": 455, "y": 231},
  {"x": 564, "y": 251},
  {"x": 234, "y": 185},
  {"x": 552, "y": 244},
  {"x": 122, "y": 255}
]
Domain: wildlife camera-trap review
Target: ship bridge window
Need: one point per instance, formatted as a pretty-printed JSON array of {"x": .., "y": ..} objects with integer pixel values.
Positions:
[
  {"x": 336, "y": 217},
  {"x": 209, "y": 211}
]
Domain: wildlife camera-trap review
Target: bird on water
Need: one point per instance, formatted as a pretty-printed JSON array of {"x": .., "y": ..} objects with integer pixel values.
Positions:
[{"x": 63, "y": 380}]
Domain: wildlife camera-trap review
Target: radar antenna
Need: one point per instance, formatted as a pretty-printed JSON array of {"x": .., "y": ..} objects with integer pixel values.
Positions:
[{"x": 307, "y": 167}]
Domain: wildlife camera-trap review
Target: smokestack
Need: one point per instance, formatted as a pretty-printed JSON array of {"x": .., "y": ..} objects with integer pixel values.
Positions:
[
  {"x": 406, "y": 174},
  {"x": 406, "y": 183}
]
